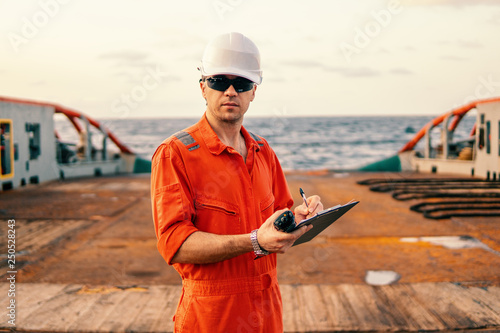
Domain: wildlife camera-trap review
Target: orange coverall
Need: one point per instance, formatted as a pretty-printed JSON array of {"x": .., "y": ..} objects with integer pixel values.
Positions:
[{"x": 198, "y": 183}]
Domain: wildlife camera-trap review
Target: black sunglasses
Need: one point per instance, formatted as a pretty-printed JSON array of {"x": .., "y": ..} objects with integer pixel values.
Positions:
[{"x": 221, "y": 83}]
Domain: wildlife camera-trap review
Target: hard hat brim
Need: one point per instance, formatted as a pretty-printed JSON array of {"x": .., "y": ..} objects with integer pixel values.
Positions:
[{"x": 254, "y": 77}]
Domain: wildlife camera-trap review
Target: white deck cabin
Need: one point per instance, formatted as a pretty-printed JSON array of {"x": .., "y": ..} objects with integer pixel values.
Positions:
[
  {"x": 31, "y": 153},
  {"x": 478, "y": 156}
]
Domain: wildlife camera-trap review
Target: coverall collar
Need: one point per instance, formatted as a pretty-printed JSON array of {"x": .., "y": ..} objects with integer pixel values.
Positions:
[{"x": 214, "y": 144}]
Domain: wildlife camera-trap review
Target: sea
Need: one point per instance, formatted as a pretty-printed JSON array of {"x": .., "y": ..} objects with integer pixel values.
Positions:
[{"x": 301, "y": 143}]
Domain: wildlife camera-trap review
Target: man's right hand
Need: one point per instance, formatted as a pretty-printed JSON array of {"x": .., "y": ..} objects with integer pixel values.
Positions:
[{"x": 278, "y": 241}]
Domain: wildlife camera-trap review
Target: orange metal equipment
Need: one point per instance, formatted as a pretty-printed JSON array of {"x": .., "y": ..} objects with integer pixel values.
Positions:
[
  {"x": 72, "y": 116},
  {"x": 458, "y": 114}
]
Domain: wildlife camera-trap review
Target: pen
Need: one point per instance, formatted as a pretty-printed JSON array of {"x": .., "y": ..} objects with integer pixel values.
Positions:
[{"x": 303, "y": 196}]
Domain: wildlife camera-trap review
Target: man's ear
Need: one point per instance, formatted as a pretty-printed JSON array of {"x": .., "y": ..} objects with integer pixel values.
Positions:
[
  {"x": 253, "y": 92},
  {"x": 203, "y": 89}
]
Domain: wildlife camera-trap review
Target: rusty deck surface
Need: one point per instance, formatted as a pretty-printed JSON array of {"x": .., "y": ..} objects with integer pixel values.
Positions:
[{"x": 87, "y": 261}]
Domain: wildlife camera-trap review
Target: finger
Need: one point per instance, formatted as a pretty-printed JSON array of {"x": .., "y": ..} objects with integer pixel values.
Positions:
[
  {"x": 314, "y": 203},
  {"x": 302, "y": 230},
  {"x": 303, "y": 210},
  {"x": 311, "y": 204},
  {"x": 314, "y": 200}
]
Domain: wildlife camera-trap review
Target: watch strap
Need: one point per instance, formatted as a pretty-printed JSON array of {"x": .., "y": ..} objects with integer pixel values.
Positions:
[{"x": 257, "y": 250}]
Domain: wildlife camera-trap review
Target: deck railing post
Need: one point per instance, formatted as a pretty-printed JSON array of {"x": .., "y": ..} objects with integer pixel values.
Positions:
[
  {"x": 88, "y": 141},
  {"x": 446, "y": 137},
  {"x": 104, "y": 142}
]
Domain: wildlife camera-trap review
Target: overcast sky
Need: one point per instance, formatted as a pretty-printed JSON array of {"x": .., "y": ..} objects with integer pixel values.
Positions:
[{"x": 116, "y": 59}]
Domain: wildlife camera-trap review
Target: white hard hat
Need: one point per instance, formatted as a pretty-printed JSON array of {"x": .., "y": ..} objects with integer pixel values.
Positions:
[{"x": 232, "y": 54}]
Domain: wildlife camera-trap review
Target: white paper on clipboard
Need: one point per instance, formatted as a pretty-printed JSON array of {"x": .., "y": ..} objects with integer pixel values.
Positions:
[{"x": 323, "y": 220}]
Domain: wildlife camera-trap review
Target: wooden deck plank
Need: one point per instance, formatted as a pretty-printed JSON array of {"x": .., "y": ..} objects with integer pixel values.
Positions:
[
  {"x": 296, "y": 311},
  {"x": 289, "y": 311},
  {"x": 125, "y": 314},
  {"x": 26, "y": 230},
  {"x": 47, "y": 233},
  {"x": 161, "y": 297},
  {"x": 88, "y": 317},
  {"x": 487, "y": 299},
  {"x": 4, "y": 293},
  {"x": 416, "y": 315},
  {"x": 481, "y": 315},
  {"x": 34, "y": 235},
  {"x": 74, "y": 308},
  {"x": 365, "y": 306},
  {"x": 313, "y": 312},
  {"x": 394, "y": 314},
  {"x": 60, "y": 311},
  {"x": 32, "y": 297},
  {"x": 164, "y": 322},
  {"x": 340, "y": 310},
  {"x": 307, "y": 308},
  {"x": 29, "y": 233},
  {"x": 294, "y": 308},
  {"x": 494, "y": 292},
  {"x": 92, "y": 318},
  {"x": 441, "y": 304}
]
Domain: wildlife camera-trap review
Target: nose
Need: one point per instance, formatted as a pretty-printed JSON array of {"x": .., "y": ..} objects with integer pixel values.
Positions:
[{"x": 231, "y": 91}]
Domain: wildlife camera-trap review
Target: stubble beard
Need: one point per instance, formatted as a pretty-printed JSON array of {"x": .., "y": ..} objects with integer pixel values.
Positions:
[{"x": 230, "y": 118}]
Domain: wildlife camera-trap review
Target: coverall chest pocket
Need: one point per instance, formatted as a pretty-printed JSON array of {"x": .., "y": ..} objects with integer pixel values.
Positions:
[
  {"x": 267, "y": 207},
  {"x": 216, "y": 216}
]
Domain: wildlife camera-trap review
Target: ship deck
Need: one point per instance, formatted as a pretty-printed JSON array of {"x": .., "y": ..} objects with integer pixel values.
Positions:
[{"x": 86, "y": 261}]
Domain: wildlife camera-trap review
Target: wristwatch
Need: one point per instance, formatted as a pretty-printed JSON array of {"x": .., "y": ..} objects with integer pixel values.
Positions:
[{"x": 259, "y": 252}]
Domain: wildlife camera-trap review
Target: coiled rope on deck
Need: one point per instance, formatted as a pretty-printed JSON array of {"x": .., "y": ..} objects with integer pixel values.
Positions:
[{"x": 466, "y": 191}]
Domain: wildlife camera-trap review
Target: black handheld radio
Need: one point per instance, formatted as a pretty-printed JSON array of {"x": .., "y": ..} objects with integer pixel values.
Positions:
[{"x": 285, "y": 222}]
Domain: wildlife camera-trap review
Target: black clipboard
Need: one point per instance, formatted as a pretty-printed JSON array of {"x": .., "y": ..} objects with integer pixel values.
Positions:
[{"x": 322, "y": 220}]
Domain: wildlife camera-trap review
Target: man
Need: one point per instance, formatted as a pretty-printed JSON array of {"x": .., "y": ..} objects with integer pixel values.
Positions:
[{"x": 216, "y": 190}]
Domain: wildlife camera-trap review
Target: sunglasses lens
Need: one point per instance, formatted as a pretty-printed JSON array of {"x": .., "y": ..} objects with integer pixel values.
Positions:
[
  {"x": 222, "y": 84},
  {"x": 217, "y": 83},
  {"x": 241, "y": 85}
]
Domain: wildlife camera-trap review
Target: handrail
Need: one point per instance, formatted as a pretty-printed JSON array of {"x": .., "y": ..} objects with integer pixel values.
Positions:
[
  {"x": 72, "y": 114},
  {"x": 458, "y": 114}
]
